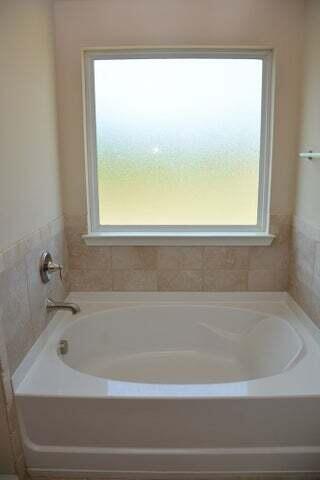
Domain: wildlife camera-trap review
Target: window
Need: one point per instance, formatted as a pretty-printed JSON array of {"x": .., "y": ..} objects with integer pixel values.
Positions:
[{"x": 178, "y": 142}]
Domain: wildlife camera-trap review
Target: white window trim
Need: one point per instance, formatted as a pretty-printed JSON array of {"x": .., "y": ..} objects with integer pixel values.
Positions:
[{"x": 177, "y": 235}]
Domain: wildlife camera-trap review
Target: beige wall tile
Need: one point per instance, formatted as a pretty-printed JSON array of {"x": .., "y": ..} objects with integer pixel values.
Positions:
[
  {"x": 92, "y": 258},
  {"x": 302, "y": 258},
  {"x": 23, "y": 295},
  {"x": 33, "y": 240},
  {"x": 180, "y": 258},
  {"x": 134, "y": 280},
  {"x": 267, "y": 258},
  {"x": 303, "y": 272},
  {"x": 2, "y": 266},
  {"x": 281, "y": 226},
  {"x": 304, "y": 282},
  {"x": 90, "y": 280},
  {"x": 303, "y": 295},
  {"x": 37, "y": 290},
  {"x": 16, "y": 444},
  {"x": 187, "y": 260},
  {"x": 14, "y": 254},
  {"x": 16, "y": 318},
  {"x": 316, "y": 283},
  {"x": 20, "y": 468},
  {"x": 225, "y": 280},
  {"x": 7, "y": 389},
  {"x": 281, "y": 279},
  {"x": 306, "y": 227},
  {"x": 4, "y": 364},
  {"x": 315, "y": 307},
  {"x": 303, "y": 249},
  {"x": 10, "y": 439},
  {"x": 263, "y": 280},
  {"x": 134, "y": 258},
  {"x": 78, "y": 222},
  {"x": 82, "y": 257},
  {"x": 6, "y": 453},
  {"x": 180, "y": 280},
  {"x": 317, "y": 259},
  {"x": 226, "y": 258},
  {"x": 12, "y": 415}
]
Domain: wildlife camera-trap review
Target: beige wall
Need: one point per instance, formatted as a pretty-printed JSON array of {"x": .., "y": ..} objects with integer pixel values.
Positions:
[
  {"x": 29, "y": 175},
  {"x": 103, "y": 23},
  {"x": 308, "y": 178},
  {"x": 30, "y": 205}
]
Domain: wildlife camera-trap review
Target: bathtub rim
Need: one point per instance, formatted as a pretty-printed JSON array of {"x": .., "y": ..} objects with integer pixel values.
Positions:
[{"x": 128, "y": 299}]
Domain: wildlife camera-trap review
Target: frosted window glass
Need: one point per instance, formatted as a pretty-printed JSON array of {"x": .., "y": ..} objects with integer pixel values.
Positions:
[{"x": 178, "y": 141}]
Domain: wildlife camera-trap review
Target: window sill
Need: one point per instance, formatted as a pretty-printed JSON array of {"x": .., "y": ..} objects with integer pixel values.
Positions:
[{"x": 176, "y": 239}]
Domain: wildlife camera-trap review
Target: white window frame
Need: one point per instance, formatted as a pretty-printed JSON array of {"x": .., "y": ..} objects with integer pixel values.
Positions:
[{"x": 176, "y": 235}]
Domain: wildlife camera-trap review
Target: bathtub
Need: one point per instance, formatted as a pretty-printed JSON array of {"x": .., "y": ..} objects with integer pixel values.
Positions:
[{"x": 173, "y": 385}]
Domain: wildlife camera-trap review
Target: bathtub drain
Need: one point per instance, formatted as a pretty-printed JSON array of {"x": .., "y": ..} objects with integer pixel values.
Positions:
[{"x": 63, "y": 347}]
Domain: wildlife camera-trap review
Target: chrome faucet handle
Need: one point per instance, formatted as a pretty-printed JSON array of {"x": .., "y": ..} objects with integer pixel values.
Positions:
[
  {"x": 55, "y": 267},
  {"x": 47, "y": 267}
]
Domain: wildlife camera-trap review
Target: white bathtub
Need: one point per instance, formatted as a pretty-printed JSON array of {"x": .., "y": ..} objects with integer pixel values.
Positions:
[{"x": 181, "y": 384}]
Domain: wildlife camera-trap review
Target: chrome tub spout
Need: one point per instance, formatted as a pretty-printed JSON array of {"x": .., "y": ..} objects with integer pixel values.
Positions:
[{"x": 52, "y": 305}]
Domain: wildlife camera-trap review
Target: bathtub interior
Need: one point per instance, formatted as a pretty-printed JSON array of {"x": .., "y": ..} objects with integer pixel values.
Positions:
[{"x": 176, "y": 344}]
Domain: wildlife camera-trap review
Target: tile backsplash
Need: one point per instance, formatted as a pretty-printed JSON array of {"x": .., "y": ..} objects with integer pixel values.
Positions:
[
  {"x": 292, "y": 262},
  {"x": 211, "y": 268},
  {"x": 23, "y": 316},
  {"x": 22, "y": 294},
  {"x": 304, "y": 277}
]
